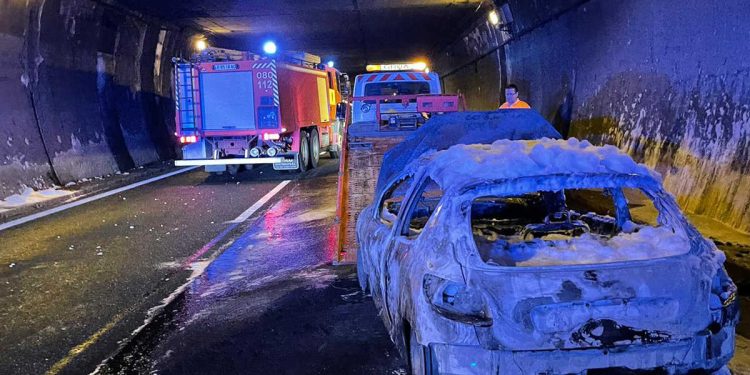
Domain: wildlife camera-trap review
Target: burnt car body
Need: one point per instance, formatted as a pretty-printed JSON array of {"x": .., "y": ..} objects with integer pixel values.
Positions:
[{"x": 548, "y": 256}]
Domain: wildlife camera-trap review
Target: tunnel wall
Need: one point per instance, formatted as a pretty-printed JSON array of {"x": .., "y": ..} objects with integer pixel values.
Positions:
[
  {"x": 666, "y": 81},
  {"x": 84, "y": 93}
]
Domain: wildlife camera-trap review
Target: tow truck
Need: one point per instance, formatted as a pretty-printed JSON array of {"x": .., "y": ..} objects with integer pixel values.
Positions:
[
  {"x": 388, "y": 104},
  {"x": 236, "y": 108}
]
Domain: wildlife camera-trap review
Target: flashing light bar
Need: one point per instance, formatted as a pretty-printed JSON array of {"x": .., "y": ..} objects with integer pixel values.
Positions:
[{"x": 396, "y": 67}]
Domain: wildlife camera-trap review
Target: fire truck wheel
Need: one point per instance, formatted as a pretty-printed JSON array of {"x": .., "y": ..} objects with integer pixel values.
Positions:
[
  {"x": 233, "y": 169},
  {"x": 303, "y": 157},
  {"x": 314, "y": 148}
]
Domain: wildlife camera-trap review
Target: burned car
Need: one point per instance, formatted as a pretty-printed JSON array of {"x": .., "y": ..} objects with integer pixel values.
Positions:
[{"x": 542, "y": 257}]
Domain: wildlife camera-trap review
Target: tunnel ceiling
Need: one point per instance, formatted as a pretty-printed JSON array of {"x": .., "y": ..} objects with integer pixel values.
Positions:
[{"x": 351, "y": 32}]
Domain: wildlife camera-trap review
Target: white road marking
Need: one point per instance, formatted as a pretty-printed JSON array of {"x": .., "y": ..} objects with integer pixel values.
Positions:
[
  {"x": 197, "y": 267},
  {"x": 250, "y": 211},
  {"x": 64, "y": 207}
]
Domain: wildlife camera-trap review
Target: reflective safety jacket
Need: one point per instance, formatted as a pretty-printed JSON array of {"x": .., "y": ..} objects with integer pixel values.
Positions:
[{"x": 518, "y": 104}]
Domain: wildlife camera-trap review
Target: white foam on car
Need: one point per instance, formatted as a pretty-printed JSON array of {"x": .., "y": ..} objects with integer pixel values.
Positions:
[
  {"x": 544, "y": 157},
  {"x": 646, "y": 243}
]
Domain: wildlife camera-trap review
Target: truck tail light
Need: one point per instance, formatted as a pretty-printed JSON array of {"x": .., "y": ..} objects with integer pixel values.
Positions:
[
  {"x": 188, "y": 139},
  {"x": 456, "y": 301},
  {"x": 271, "y": 136}
]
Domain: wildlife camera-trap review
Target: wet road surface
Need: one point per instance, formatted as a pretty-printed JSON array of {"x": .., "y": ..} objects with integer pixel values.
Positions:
[
  {"x": 271, "y": 303},
  {"x": 76, "y": 283}
]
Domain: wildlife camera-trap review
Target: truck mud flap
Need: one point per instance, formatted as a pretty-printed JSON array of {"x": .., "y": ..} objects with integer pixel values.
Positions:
[{"x": 216, "y": 168}]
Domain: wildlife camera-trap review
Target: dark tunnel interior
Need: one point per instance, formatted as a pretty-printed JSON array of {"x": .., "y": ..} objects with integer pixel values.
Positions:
[{"x": 87, "y": 85}]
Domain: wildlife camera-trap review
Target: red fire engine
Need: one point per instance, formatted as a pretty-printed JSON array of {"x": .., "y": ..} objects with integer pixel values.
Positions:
[{"x": 236, "y": 109}]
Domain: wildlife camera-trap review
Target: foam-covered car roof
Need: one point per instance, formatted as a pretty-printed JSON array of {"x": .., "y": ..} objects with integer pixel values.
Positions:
[
  {"x": 444, "y": 131},
  {"x": 461, "y": 165}
]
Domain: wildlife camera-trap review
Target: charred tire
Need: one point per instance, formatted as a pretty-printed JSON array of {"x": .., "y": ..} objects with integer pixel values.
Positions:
[
  {"x": 419, "y": 357},
  {"x": 303, "y": 157},
  {"x": 314, "y": 148}
]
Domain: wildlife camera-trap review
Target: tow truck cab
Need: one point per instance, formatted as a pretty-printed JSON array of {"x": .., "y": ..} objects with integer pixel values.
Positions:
[{"x": 390, "y": 96}]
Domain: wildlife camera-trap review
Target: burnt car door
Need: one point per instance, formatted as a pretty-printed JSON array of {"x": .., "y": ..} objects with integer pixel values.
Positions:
[
  {"x": 375, "y": 232},
  {"x": 401, "y": 257}
]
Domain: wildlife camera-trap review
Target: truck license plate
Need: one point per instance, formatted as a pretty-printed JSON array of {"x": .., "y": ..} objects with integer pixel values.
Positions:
[{"x": 286, "y": 165}]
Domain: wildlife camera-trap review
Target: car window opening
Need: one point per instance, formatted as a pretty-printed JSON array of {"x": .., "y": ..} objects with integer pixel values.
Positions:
[
  {"x": 572, "y": 226},
  {"x": 425, "y": 206},
  {"x": 392, "y": 200}
]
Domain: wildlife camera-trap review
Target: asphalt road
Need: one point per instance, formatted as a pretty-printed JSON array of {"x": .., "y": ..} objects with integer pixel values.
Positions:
[
  {"x": 74, "y": 284},
  {"x": 271, "y": 303}
]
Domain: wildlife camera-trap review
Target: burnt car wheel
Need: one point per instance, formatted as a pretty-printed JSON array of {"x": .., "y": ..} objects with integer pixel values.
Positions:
[{"x": 420, "y": 357}]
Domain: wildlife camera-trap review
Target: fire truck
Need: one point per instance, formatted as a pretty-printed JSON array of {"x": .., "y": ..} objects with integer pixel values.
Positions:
[{"x": 236, "y": 109}]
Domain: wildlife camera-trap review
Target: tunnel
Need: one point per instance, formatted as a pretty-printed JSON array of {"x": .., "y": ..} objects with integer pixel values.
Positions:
[
  {"x": 87, "y": 87},
  {"x": 88, "y": 84}
]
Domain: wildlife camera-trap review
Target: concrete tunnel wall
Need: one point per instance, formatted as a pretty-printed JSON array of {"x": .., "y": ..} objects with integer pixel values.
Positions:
[
  {"x": 666, "y": 81},
  {"x": 85, "y": 91}
]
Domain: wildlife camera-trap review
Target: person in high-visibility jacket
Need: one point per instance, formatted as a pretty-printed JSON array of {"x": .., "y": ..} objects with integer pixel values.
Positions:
[{"x": 511, "y": 98}]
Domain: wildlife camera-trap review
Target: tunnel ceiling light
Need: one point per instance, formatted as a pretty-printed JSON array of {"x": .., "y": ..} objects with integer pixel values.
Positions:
[
  {"x": 200, "y": 45},
  {"x": 269, "y": 47},
  {"x": 494, "y": 18},
  {"x": 330, "y": 64}
]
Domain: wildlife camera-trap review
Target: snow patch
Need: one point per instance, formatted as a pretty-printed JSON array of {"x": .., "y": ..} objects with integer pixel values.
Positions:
[{"x": 31, "y": 196}]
